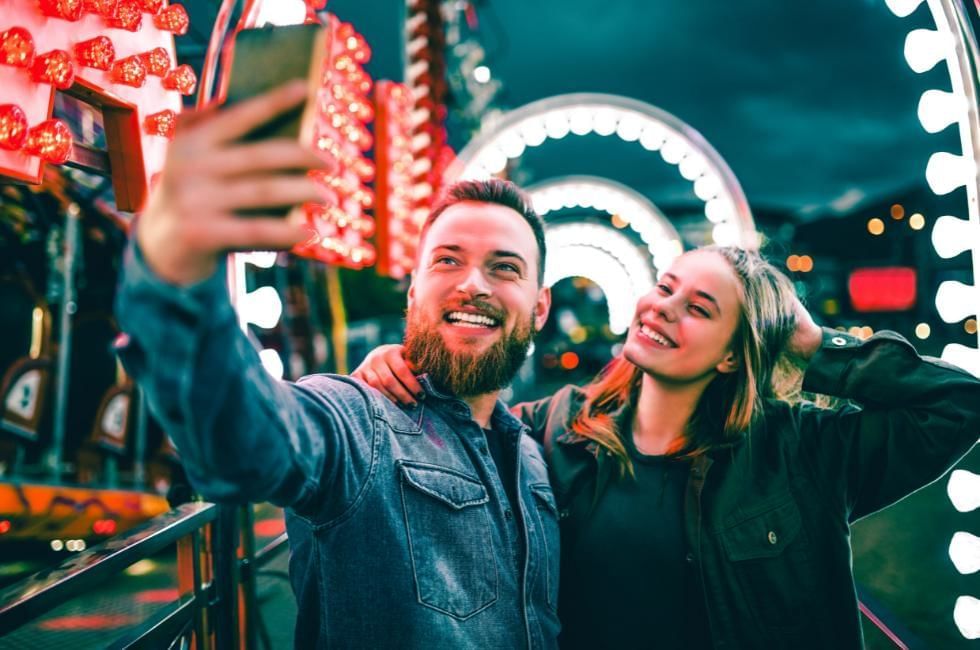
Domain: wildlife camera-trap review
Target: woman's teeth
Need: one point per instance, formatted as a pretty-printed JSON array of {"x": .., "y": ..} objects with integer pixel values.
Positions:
[{"x": 656, "y": 337}]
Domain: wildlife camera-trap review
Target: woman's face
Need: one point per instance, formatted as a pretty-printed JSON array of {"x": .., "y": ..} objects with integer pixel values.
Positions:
[{"x": 682, "y": 330}]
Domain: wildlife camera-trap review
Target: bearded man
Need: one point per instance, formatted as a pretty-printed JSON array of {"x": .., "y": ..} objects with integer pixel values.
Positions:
[{"x": 430, "y": 525}]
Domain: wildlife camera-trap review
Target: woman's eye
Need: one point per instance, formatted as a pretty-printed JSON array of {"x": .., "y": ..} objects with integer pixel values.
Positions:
[
  {"x": 663, "y": 288},
  {"x": 701, "y": 311}
]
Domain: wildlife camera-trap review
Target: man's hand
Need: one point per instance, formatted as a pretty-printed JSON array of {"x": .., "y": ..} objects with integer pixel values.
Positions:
[
  {"x": 386, "y": 369},
  {"x": 807, "y": 337},
  {"x": 190, "y": 222}
]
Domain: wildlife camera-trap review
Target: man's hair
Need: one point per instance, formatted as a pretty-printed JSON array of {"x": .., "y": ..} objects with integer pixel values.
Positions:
[{"x": 499, "y": 192}]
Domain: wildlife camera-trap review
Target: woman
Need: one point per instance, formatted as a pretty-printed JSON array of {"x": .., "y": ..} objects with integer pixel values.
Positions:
[{"x": 699, "y": 508}]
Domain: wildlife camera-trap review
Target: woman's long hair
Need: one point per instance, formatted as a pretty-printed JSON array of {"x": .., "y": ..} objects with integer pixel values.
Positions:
[{"x": 732, "y": 401}]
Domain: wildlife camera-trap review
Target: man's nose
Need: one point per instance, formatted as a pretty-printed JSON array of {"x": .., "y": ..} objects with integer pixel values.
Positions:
[{"x": 474, "y": 283}]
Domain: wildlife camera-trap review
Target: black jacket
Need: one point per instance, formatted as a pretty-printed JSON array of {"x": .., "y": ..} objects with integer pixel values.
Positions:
[{"x": 767, "y": 518}]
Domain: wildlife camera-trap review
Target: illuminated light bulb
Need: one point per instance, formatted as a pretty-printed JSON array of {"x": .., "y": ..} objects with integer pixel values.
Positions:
[
  {"x": 963, "y": 356},
  {"x": 157, "y": 61},
  {"x": 128, "y": 15},
  {"x": 272, "y": 363},
  {"x": 966, "y": 614},
  {"x": 13, "y": 127},
  {"x": 556, "y": 125},
  {"x": 55, "y": 68},
  {"x": 50, "y": 140},
  {"x": 652, "y": 136},
  {"x": 707, "y": 187},
  {"x": 494, "y": 160},
  {"x": 923, "y": 331},
  {"x": 512, "y": 144},
  {"x": 673, "y": 150},
  {"x": 263, "y": 307},
  {"x": 951, "y": 236},
  {"x": 97, "y": 53},
  {"x": 181, "y": 79},
  {"x": 963, "y": 489},
  {"x": 964, "y": 551},
  {"x": 946, "y": 172},
  {"x": 152, "y": 6},
  {"x": 605, "y": 121},
  {"x": 163, "y": 124},
  {"x": 629, "y": 128},
  {"x": 724, "y": 234},
  {"x": 104, "y": 8},
  {"x": 719, "y": 209},
  {"x": 130, "y": 71},
  {"x": 580, "y": 120},
  {"x": 261, "y": 259},
  {"x": 65, "y": 9},
  {"x": 481, "y": 74},
  {"x": 903, "y": 8},
  {"x": 954, "y": 301},
  {"x": 924, "y": 48},
  {"x": 693, "y": 165},
  {"x": 938, "y": 109},
  {"x": 16, "y": 47},
  {"x": 173, "y": 19}
]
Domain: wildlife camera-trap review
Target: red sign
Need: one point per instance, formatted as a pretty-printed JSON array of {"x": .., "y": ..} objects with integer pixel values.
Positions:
[{"x": 882, "y": 289}]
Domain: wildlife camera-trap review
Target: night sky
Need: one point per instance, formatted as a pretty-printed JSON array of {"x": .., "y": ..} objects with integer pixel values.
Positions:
[{"x": 811, "y": 104}]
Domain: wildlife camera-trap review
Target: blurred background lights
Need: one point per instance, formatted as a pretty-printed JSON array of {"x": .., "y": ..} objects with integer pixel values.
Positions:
[
  {"x": 917, "y": 221},
  {"x": 481, "y": 73},
  {"x": 922, "y": 330},
  {"x": 272, "y": 362},
  {"x": 261, "y": 307},
  {"x": 876, "y": 226}
]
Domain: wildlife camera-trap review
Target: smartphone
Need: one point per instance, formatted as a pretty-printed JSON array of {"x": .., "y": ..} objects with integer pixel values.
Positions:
[{"x": 268, "y": 57}]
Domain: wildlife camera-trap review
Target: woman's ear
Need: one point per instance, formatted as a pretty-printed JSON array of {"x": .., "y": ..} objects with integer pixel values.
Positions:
[{"x": 729, "y": 364}]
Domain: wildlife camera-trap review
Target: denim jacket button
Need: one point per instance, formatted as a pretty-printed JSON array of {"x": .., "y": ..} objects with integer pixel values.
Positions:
[
  {"x": 839, "y": 340},
  {"x": 772, "y": 537},
  {"x": 508, "y": 514},
  {"x": 563, "y": 514}
]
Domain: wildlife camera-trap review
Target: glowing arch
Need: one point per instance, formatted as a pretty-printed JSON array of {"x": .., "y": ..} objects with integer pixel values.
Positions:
[
  {"x": 613, "y": 198},
  {"x": 632, "y": 121},
  {"x": 605, "y": 256}
]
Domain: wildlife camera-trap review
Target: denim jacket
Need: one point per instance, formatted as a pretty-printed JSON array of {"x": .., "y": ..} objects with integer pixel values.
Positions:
[{"x": 399, "y": 526}]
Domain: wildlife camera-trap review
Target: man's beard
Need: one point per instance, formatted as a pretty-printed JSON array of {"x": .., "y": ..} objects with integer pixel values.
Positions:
[{"x": 466, "y": 374}]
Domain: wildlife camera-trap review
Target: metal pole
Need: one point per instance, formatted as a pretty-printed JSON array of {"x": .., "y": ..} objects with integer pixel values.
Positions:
[{"x": 72, "y": 245}]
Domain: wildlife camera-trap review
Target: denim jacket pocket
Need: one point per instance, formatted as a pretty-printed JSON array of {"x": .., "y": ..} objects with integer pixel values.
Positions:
[
  {"x": 769, "y": 557},
  {"x": 548, "y": 517},
  {"x": 447, "y": 520}
]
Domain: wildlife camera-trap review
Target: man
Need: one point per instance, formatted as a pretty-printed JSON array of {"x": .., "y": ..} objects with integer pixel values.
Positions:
[{"x": 431, "y": 525}]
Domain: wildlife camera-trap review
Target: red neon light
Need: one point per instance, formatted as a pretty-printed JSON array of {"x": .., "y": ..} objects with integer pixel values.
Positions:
[
  {"x": 173, "y": 19},
  {"x": 163, "y": 124},
  {"x": 104, "y": 8},
  {"x": 66, "y": 9},
  {"x": 4, "y": 526},
  {"x": 181, "y": 79},
  {"x": 129, "y": 71},
  {"x": 13, "y": 127},
  {"x": 128, "y": 15},
  {"x": 55, "y": 68},
  {"x": 157, "y": 61},
  {"x": 16, "y": 47},
  {"x": 50, "y": 140},
  {"x": 882, "y": 289},
  {"x": 95, "y": 53}
]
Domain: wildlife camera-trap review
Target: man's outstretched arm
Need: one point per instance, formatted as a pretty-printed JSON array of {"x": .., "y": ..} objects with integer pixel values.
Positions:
[{"x": 241, "y": 433}]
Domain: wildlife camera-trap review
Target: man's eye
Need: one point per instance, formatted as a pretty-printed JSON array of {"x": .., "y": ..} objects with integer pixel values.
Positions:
[
  {"x": 445, "y": 260},
  {"x": 509, "y": 268}
]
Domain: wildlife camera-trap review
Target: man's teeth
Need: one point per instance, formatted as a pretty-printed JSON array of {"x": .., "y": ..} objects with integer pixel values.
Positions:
[
  {"x": 656, "y": 337},
  {"x": 470, "y": 320}
]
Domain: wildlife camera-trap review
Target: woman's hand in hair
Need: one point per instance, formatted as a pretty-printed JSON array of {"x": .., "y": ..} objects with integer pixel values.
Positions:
[
  {"x": 386, "y": 369},
  {"x": 807, "y": 337}
]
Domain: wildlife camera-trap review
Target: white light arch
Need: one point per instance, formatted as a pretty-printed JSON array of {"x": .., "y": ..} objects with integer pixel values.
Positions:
[
  {"x": 955, "y": 45},
  {"x": 605, "y": 195},
  {"x": 632, "y": 121},
  {"x": 605, "y": 256}
]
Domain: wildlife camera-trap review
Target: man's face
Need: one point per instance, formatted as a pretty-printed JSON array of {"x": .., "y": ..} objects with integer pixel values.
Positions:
[{"x": 475, "y": 302}]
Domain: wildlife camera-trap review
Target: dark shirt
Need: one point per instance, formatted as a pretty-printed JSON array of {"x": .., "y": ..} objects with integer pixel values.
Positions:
[{"x": 631, "y": 585}]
